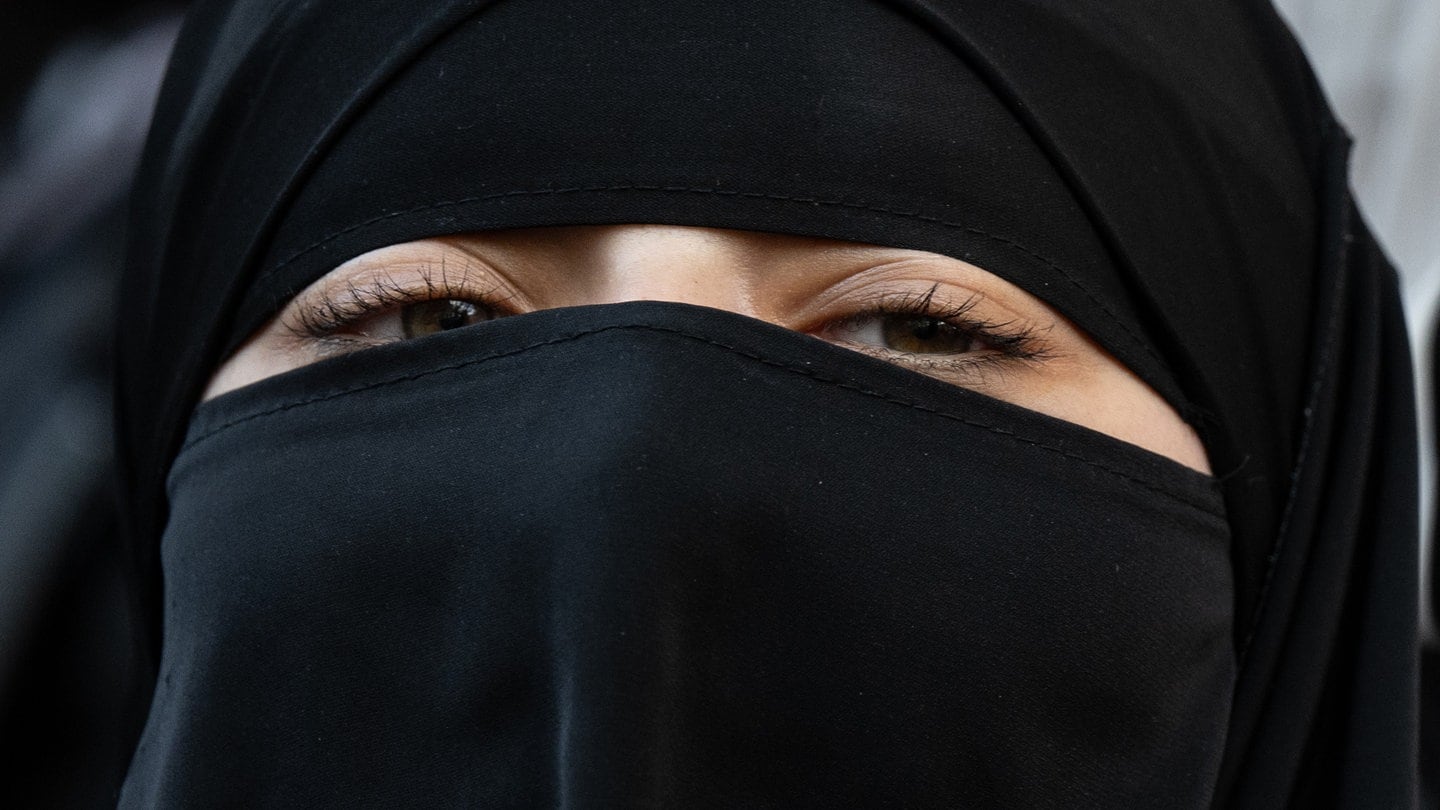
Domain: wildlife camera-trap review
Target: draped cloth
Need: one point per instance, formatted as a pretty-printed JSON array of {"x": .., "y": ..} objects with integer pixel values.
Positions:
[{"x": 1190, "y": 212}]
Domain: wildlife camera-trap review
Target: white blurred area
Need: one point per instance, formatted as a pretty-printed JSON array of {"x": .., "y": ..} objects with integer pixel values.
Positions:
[{"x": 1380, "y": 63}]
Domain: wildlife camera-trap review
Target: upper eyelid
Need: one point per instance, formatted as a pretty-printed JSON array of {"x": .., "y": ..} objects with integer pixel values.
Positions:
[
  {"x": 975, "y": 304},
  {"x": 374, "y": 287},
  {"x": 954, "y": 280}
]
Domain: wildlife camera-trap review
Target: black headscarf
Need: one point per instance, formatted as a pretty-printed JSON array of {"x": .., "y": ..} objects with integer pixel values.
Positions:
[{"x": 1169, "y": 179}]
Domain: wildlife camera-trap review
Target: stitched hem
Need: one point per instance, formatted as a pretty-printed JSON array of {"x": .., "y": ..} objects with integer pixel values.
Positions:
[{"x": 1336, "y": 139}]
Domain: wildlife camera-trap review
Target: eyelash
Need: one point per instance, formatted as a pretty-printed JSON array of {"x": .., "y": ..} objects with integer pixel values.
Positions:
[
  {"x": 1012, "y": 342},
  {"x": 324, "y": 319}
]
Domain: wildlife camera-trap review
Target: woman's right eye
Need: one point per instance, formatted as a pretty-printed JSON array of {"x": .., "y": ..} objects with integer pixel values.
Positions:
[{"x": 391, "y": 304}]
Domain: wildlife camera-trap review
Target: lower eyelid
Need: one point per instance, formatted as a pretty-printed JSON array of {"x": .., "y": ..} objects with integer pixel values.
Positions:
[{"x": 967, "y": 371}]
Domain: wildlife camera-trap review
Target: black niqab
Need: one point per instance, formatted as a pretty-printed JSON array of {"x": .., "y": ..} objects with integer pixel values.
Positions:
[{"x": 1170, "y": 180}]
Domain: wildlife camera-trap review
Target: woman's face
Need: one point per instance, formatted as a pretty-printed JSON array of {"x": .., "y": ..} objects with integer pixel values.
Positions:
[{"x": 934, "y": 314}]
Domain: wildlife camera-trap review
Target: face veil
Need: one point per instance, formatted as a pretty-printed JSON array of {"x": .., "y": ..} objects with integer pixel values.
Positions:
[{"x": 1189, "y": 212}]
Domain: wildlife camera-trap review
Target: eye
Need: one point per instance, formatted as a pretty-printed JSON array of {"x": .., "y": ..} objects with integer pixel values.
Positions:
[
  {"x": 392, "y": 305},
  {"x": 908, "y": 333},
  {"x": 951, "y": 339},
  {"x": 419, "y": 319}
]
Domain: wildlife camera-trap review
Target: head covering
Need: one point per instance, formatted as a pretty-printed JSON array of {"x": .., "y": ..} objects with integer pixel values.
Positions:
[{"x": 1171, "y": 180}]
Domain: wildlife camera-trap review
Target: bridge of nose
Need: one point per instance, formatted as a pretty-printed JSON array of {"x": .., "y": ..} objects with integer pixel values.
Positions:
[{"x": 700, "y": 266}]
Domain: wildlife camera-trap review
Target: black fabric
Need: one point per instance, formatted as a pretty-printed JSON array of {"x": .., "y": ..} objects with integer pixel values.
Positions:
[
  {"x": 1170, "y": 179},
  {"x": 550, "y": 577}
]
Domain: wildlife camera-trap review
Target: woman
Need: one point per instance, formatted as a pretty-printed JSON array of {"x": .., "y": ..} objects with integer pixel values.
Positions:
[{"x": 440, "y": 536}]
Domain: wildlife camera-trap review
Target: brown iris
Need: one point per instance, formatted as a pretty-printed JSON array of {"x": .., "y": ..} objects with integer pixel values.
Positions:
[
  {"x": 429, "y": 317},
  {"x": 925, "y": 335}
]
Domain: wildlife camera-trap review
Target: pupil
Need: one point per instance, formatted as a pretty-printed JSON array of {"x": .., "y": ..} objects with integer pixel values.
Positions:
[
  {"x": 430, "y": 317},
  {"x": 924, "y": 328},
  {"x": 924, "y": 335},
  {"x": 456, "y": 315}
]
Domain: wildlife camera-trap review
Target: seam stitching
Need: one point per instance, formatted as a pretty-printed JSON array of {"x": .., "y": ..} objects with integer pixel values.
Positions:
[
  {"x": 1335, "y": 137},
  {"x": 805, "y": 372},
  {"x": 1302, "y": 457},
  {"x": 1143, "y": 345}
]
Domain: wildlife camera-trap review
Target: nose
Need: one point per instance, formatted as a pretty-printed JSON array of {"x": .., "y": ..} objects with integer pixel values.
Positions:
[{"x": 701, "y": 266}]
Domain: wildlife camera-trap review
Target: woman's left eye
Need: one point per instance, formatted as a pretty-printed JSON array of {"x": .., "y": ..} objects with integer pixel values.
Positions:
[
  {"x": 908, "y": 334},
  {"x": 418, "y": 320},
  {"x": 422, "y": 318}
]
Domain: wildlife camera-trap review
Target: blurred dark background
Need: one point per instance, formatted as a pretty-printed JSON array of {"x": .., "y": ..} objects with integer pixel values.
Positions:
[
  {"x": 33, "y": 30},
  {"x": 77, "y": 82}
]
